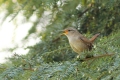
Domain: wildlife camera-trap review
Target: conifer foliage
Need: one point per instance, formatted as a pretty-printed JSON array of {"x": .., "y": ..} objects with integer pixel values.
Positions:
[{"x": 52, "y": 58}]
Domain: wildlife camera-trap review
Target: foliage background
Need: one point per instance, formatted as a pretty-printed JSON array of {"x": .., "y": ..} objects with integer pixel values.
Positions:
[{"x": 52, "y": 58}]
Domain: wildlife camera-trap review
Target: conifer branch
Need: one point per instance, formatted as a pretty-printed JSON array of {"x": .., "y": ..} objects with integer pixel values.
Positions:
[
  {"x": 103, "y": 49},
  {"x": 89, "y": 6},
  {"x": 100, "y": 56},
  {"x": 24, "y": 4},
  {"x": 57, "y": 50},
  {"x": 28, "y": 69},
  {"x": 114, "y": 39},
  {"x": 30, "y": 66}
]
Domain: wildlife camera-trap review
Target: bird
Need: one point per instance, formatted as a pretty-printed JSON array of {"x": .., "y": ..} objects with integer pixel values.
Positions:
[{"x": 77, "y": 41}]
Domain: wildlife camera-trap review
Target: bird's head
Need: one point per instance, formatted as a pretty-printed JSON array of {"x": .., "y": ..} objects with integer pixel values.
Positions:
[{"x": 69, "y": 31}]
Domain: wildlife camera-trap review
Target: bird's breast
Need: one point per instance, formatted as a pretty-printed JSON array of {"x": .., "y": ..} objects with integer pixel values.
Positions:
[{"x": 77, "y": 45}]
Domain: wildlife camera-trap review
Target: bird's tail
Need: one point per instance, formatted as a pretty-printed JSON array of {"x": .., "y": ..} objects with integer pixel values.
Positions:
[{"x": 94, "y": 37}]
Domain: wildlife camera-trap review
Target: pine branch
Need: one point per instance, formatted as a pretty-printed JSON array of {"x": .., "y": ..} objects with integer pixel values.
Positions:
[
  {"x": 56, "y": 50},
  {"x": 28, "y": 69},
  {"x": 102, "y": 49},
  {"x": 30, "y": 66},
  {"x": 114, "y": 39},
  {"x": 96, "y": 57}
]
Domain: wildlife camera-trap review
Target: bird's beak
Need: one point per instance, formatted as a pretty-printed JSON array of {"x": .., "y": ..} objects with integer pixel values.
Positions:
[{"x": 65, "y": 32}]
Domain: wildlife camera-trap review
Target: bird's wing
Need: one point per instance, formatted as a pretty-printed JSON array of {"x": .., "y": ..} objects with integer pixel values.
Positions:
[
  {"x": 84, "y": 39},
  {"x": 87, "y": 42}
]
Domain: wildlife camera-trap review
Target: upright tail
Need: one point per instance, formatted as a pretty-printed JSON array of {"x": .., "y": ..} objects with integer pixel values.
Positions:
[{"x": 94, "y": 37}]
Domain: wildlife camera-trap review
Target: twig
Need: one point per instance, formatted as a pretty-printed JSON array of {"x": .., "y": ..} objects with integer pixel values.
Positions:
[
  {"x": 102, "y": 49},
  {"x": 96, "y": 57},
  {"x": 85, "y": 10},
  {"x": 28, "y": 69},
  {"x": 30, "y": 66},
  {"x": 56, "y": 50},
  {"x": 56, "y": 39}
]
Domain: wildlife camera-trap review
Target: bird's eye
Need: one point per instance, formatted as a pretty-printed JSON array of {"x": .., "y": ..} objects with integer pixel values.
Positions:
[{"x": 69, "y": 30}]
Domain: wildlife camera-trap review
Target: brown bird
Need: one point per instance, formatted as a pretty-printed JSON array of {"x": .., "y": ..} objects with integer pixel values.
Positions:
[{"x": 77, "y": 41}]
